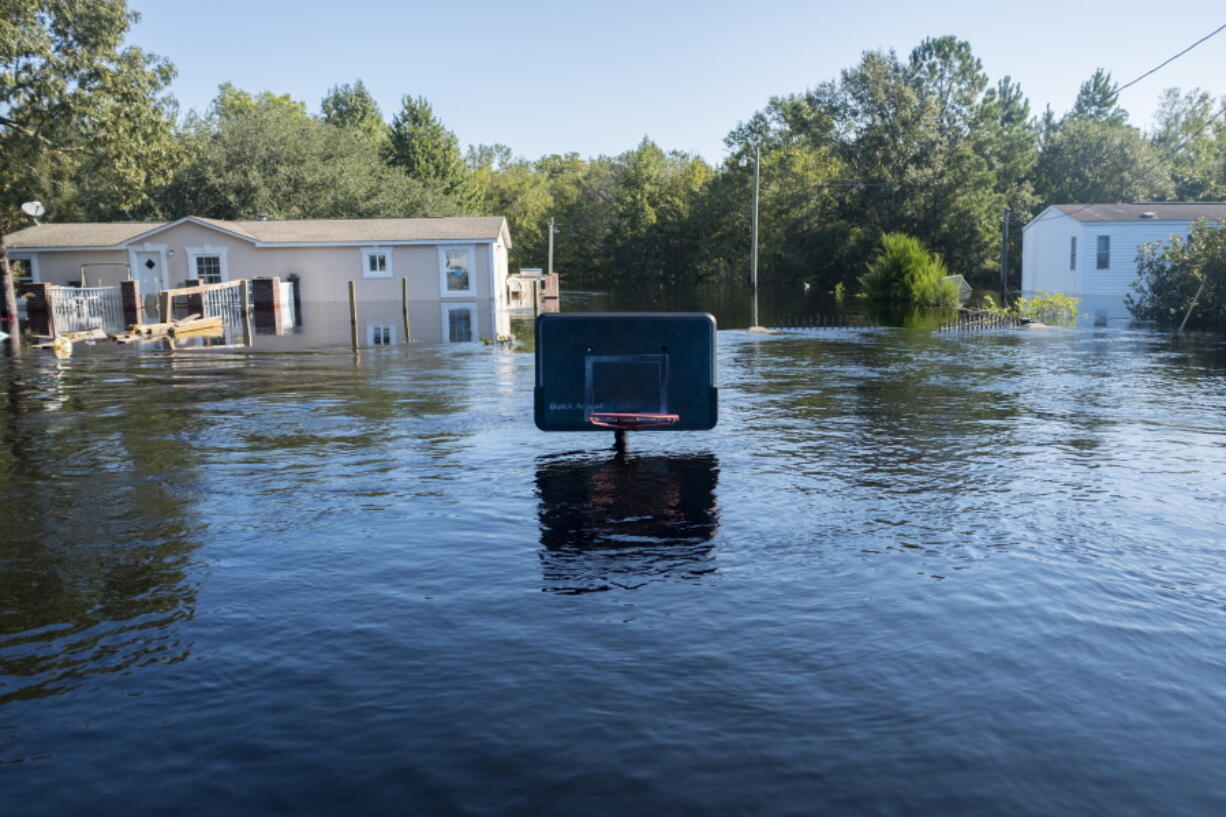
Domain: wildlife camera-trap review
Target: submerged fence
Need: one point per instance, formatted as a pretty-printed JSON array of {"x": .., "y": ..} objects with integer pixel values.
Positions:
[
  {"x": 982, "y": 321},
  {"x": 76, "y": 309},
  {"x": 839, "y": 320}
]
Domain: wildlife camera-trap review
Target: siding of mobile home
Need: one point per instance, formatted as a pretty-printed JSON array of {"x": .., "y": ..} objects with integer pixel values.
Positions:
[{"x": 1101, "y": 292}]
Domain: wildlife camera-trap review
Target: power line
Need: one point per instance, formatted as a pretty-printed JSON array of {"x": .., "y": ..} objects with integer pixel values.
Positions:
[{"x": 1172, "y": 59}]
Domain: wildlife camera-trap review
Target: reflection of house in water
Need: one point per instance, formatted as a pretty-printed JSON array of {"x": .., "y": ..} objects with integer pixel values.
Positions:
[
  {"x": 383, "y": 324},
  {"x": 623, "y": 522}
]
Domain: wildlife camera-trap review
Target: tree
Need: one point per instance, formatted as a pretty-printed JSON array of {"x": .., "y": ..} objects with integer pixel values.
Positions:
[
  {"x": 264, "y": 155},
  {"x": 1171, "y": 277},
  {"x": 1191, "y": 137},
  {"x": 1098, "y": 100},
  {"x": 1092, "y": 160},
  {"x": 352, "y": 106},
  {"x": 427, "y": 151},
  {"x": 84, "y": 123}
]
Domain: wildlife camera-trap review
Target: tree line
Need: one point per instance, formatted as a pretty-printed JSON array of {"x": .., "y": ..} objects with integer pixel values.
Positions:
[{"x": 925, "y": 145}]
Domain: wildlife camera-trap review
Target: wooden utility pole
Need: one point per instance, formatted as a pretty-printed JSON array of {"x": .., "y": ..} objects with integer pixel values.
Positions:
[
  {"x": 1004, "y": 258},
  {"x": 552, "y": 229}
]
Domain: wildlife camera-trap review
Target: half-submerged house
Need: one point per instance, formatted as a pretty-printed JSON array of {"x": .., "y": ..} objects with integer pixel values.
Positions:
[
  {"x": 443, "y": 259},
  {"x": 1089, "y": 251}
]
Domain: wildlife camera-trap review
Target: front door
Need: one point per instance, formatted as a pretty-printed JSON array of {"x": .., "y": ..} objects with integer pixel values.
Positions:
[{"x": 148, "y": 274}]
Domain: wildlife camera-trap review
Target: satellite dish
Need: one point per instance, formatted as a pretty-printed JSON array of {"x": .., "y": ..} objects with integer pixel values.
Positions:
[{"x": 33, "y": 209}]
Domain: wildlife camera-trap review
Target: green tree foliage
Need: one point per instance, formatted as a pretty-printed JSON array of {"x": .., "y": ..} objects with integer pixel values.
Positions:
[
  {"x": 906, "y": 274},
  {"x": 1190, "y": 134},
  {"x": 85, "y": 125},
  {"x": 1094, "y": 155},
  {"x": 264, "y": 155},
  {"x": 1098, "y": 99},
  {"x": 1088, "y": 160},
  {"x": 428, "y": 152},
  {"x": 352, "y": 106},
  {"x": 1171, "y": 276}
]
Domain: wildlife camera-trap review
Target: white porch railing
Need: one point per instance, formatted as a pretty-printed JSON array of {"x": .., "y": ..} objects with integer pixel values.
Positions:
[{"x": 76, "y": 309}]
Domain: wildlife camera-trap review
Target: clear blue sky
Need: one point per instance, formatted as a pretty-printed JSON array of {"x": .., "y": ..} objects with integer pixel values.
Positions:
[{"x": 545, "y": 77}]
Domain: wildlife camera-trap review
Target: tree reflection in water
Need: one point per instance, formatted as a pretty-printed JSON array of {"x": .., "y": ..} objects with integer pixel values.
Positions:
[
  {"x": 622, "y": 522},
  {"x": 97, "y": 540}
]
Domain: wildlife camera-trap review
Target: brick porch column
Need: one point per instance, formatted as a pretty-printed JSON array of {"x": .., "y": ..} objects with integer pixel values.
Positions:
[
  {"x": 266, "y": 303},
  {"x": 129, "y": 293}
]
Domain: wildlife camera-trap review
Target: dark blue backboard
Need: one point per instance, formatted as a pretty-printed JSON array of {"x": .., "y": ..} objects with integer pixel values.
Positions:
[{"x": 633, "y": 362}]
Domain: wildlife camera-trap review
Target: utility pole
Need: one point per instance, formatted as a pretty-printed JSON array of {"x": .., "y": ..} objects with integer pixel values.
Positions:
[
  {"x": 753, "y": 269},
  {"x": 551, "y": 232},
  {"x": 753, "y": 264},
  {"x": 1004, "y": 258}
]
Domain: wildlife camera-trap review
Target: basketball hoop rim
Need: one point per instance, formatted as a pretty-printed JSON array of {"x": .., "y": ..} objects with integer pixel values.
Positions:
[{"x": 630, "y": 421}]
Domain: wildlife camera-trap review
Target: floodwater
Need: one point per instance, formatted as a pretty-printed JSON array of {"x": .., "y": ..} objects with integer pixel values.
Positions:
[{"x": 909, "y": 573}]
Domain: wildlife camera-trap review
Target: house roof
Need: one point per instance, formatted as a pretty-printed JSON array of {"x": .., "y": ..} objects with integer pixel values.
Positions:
[
  {"x": 1162, "y": 210},
  {"x": 304, "y": 231}
]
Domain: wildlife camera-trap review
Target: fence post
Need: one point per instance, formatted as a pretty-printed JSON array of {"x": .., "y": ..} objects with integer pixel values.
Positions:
[
  {"x": 353, "y": 313},
  {"x": 404, "y": 305},
  {"x": 165, "y": 305},
  {"x": 129, "y": 294}
]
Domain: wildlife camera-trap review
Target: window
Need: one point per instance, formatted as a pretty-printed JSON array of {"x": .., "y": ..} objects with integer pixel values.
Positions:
[
  {"x": 208, "y": 269},
  {"x": 1104, "y": 252},
  {"x": 207, "y": 264},
  {"x": 22, "y": 270},
  {"x": 380, "y": 334},
  {"x": 459, "y": 323},
  {"x": 457, "y": 270},
  {"x": 376, "y": 262},
  {"x": 1072, "y": 253}
]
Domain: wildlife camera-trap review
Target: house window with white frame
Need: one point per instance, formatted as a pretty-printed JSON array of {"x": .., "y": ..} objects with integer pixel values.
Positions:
[
  {"x": 208, "y": 269},
  {"x": 207, "y": 264},
  {"x": 1072, "y": 253},
  {"x": 380, "y": 334},
  {"x": 459, "y": 323},
  {"x": 457, "y": 270},
  {"x": 1104, "y": 252},
  {"x": 376, "y": 262}
]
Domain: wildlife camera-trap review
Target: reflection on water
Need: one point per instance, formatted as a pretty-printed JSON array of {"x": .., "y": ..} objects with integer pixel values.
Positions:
[
  {"x": 623, "y": 521},
  {"x": 96, "y": 545}
]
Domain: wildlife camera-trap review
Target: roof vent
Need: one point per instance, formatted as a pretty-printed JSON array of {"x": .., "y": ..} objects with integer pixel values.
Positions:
[{"x": 1149, "y": 214}]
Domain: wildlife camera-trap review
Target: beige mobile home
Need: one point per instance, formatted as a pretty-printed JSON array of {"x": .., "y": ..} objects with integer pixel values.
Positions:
[{"x": 464, "y": 259}]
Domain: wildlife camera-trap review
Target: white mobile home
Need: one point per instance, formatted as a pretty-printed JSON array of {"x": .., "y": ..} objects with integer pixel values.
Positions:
[{"x": 1089, "y": 251}]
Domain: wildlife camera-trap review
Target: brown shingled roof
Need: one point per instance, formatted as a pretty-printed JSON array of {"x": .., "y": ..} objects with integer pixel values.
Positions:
[
  {"x": 1162, "y": 210},
  {"x": 78, "y": 235},
  {"x": 304, "y": 231}
]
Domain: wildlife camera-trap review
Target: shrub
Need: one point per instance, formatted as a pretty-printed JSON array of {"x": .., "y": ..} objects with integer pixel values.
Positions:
[
  {"x": 905, "y": 273},
  {"x": 1054, "y": 308}
]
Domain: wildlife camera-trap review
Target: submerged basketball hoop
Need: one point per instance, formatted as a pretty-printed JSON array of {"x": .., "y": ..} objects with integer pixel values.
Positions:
[{"x": 625, "y": 372}]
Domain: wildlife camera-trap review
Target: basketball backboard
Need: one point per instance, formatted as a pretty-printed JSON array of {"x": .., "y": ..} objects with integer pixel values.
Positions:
[{"x": 633, "y": 370}]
